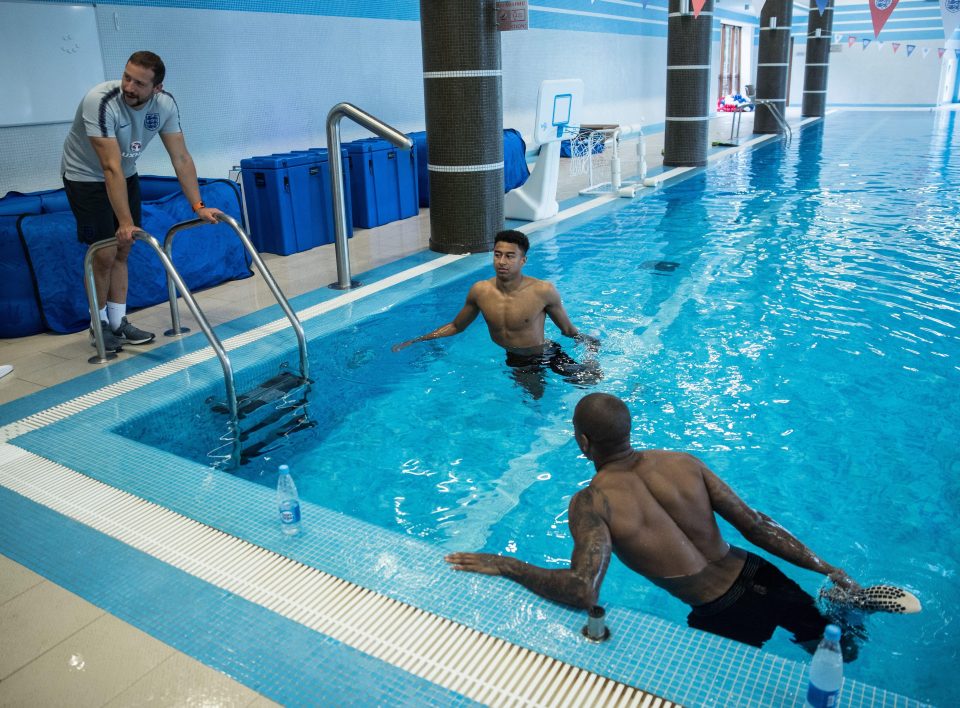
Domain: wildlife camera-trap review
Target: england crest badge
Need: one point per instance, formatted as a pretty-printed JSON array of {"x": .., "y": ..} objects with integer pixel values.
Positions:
[{"x": 151, "y": 121}]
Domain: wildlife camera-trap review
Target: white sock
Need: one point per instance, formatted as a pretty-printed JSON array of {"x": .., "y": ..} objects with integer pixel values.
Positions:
[
  {"x": 115, "y": 313},
  {"x": 103, "y": 313}
]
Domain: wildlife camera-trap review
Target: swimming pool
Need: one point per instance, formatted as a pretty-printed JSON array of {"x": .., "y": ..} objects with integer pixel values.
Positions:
[{"x": 790, "y": 316}]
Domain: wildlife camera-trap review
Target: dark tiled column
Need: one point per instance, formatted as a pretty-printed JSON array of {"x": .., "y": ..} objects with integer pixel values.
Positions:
[
  {"x": 773, "y": 63},
  {"x": 818, "y": 60},
  {"x": 464, "y": 112},
  {"x": 689, "y": 41}
]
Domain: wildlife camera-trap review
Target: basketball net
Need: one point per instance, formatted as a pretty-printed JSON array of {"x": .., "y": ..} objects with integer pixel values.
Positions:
[{"x": 587, "y": 155}]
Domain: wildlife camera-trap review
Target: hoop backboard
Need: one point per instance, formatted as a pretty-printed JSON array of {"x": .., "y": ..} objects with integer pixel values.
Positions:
[{"x": 559, "y": 103}]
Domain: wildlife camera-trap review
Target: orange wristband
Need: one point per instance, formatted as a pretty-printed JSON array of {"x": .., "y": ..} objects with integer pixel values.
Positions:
[{"x": 199, "y": 205}]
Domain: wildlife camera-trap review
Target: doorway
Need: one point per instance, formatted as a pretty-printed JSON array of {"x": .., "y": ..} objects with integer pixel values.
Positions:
[{"x": 729, "y": 79}]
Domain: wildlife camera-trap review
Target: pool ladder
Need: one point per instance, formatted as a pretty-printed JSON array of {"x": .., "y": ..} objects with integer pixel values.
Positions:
[
  {"x": 771, "y": 105},
  {"x": 277, "y": 385}
]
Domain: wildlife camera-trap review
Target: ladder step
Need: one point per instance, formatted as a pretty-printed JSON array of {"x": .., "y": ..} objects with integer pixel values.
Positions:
[
  {"x": 271, "y": 390},
  {"x": 291, "y": 410},
  {"x": 260, "y": 447}
]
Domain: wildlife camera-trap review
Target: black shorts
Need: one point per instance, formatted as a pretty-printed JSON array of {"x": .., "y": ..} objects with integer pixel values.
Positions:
[
  {"x": 92, "y": 210},
  {"x": 552, "y": 356},
  {"x": 760, "y": 600}
]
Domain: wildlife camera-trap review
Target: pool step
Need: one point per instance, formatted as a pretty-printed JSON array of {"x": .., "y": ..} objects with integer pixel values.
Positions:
[
  {"x": 270, "y": 412},
  {"x": 271, "y": 390},
  {"x": 261, "y": 439}
]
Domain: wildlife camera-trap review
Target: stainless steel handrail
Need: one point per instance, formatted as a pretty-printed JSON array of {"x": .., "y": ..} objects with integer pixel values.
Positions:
[
  {"x": 102, "y": 356},
  {"x": 374, "y": 125},
  {"x": 777, "y": 116},
  {"x": 191, "y": 303},
  {"x": 176, "y": 329}
]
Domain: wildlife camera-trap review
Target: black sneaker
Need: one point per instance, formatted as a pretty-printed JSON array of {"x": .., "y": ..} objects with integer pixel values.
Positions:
[
  {"x": 111, "y": 343},
  {"x": 126, "y": 333}
]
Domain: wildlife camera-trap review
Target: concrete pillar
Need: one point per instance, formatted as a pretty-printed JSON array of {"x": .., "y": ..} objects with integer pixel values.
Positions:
[
  {"x": 773, "y": 63},
  {"x": 689, "y": 43},
  {"x": 818, "y": 60},
  {"x": 464, "y": 116}
]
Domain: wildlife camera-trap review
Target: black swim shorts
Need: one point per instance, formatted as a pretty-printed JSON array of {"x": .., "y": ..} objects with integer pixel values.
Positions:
[
  {"x": 92, "y": 210},
  {"x": 761, "y": 599},
  {"x": 552, "y": 356}
]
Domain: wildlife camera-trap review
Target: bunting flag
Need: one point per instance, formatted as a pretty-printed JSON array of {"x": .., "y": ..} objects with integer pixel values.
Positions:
[
  {"x": 896, "y": 46},
  {"x": 940, "y": 51},
  {"x": 950, "y": 14},
  {"x": 837, "y": 38},
  {"x": 910, "y": 48},
  {"x": 851, "y": 41},
  {"x": 866, "y": 42},
  {"x": 880, "y": 11},
  {"x": 821, "y": 6},
  {"x": 879, "y": 46},
  {"x": 698, "y": 7},
  {"x": 926, "y": 52}
]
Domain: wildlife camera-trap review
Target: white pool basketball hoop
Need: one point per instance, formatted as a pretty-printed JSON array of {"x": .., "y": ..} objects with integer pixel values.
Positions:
[{"x": 559, "y": 104}]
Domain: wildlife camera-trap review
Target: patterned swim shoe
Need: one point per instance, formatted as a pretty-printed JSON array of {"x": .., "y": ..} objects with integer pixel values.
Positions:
[{"x": 126, "y": 333}]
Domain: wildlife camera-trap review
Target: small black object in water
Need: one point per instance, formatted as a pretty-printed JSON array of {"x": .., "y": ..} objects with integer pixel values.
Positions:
[{"x": 661, "y": 266}]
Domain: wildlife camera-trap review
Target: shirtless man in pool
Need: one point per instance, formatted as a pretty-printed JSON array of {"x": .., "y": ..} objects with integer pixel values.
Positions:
[
  {"x": 656, "y": 510},
  {"x": 515, "y": 307}
]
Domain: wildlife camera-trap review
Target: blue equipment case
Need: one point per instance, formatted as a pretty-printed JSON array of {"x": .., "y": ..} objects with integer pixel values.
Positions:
[
  {"x": 321, "y": 197},
  {"x": 383, "y": 182},
  {"x": 288, "y": 200}
]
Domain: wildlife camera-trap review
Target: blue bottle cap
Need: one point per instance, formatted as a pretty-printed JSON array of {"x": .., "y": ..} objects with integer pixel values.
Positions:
[{"x": 832, "y": 633}]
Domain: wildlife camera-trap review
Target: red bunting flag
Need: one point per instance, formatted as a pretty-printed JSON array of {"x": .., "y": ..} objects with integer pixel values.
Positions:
[
  {"x": 896, "y": 46},
  {"x": 940, "y": 52},
  {"x": 880, "y": 11},
  {"x": 698, "y": 7},
  {"x": 851, "y": 41}
]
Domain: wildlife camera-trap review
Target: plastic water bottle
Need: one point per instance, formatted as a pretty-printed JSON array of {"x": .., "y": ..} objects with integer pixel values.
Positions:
[
  {"x": 826, "y": 671},
  {"x": 289, "y": 503}
]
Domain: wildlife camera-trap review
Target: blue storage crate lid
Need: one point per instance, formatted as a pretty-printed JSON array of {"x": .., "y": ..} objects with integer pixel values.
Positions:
[
  {"x": 296, "y": 158},
  {"x": 369, "y": 145},
  {"x": 317, "y": 155},
  {"x": 275, "y": 162},
  {"x": 323, "y": 152}
]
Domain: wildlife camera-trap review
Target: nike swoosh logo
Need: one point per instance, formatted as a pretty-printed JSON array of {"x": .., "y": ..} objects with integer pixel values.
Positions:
[{"x": 122, "y": 126}]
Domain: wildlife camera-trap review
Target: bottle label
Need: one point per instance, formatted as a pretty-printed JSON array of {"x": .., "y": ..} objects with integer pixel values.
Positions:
[
  {"x": 289, "y": 512},
  {"x": 818, "y": 698}
]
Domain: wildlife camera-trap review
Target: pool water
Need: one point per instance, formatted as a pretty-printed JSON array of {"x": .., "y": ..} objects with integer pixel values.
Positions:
[{"x": 790, "y": 316}]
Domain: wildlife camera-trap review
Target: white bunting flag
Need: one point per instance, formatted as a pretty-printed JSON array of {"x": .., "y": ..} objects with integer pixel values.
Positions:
[{"x": 950, "y": 13}]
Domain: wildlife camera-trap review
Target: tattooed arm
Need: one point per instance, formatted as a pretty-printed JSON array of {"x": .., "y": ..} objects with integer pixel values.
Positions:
[
  {"x": 578, "y": 585},
  {"x": 764, "y": 532}
]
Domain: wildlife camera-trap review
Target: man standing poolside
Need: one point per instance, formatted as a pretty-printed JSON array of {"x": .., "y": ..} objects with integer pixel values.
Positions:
[
  {"x": 656, "y": 510},
  {"x": 113, "y": 125},
  {"x": 515, "y": 307}
]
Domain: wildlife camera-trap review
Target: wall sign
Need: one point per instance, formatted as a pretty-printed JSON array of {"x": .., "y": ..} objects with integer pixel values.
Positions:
[{"x": 512, "y": 15}]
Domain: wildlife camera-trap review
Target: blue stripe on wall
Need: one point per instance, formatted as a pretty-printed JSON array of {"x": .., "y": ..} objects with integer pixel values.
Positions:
[
  {"x": 912, "y": 20},
  {"x": 367, "y": 9}
]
